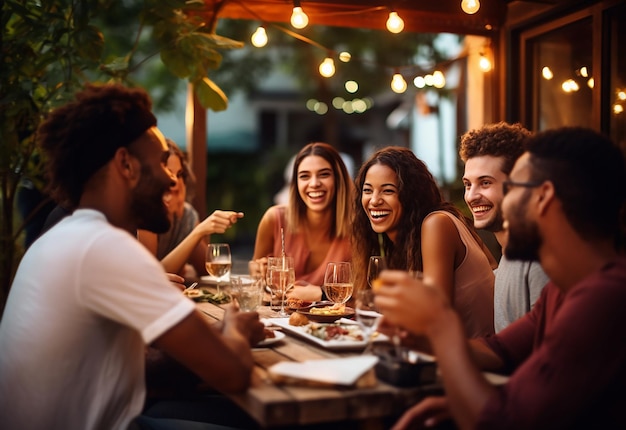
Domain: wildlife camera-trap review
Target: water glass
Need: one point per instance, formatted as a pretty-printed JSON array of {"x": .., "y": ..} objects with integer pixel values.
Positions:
[{"x": 247, "y": 291}]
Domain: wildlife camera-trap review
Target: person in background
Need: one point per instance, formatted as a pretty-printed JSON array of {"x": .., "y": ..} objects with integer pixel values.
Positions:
[
  {"x": 401, "y": 214},
  {"x": 316, "y": 222},
  {"x": 565, "y": 357},
  {"x": 88, "y": 297},
  {"x": 185, "y": 241},
  {"x": 489, "y": 154}
]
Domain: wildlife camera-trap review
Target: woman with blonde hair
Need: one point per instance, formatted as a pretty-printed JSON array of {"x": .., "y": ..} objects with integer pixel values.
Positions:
[{"x": 316, "y": 221}]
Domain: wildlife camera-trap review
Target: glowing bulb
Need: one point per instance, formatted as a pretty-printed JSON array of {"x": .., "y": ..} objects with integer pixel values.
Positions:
[
  {"x": 584, "y": 72},
  {"x": 484, "y": 63},
  {"x": 621, "y": 95},
  {"x": 569, "y": 86},
  {"x": 419, "y": 82},
  {"x": 259, "y": 37},
  {"x": 591, "y": 83},
  {"x": 547, "y": 74},
  {"x": 327, "y": 67},
  {"x": 351, "y": 87},
  {"x": 395, "y": 24},
  {"x": 470, "y": 7},
  {"x": 439, "y": 80},
  {"x": 345, "y": 56},
  {"x": 618, "y": 109},
  {"x": 299, "y": 18},
  {"x": 398, "y": 84}
]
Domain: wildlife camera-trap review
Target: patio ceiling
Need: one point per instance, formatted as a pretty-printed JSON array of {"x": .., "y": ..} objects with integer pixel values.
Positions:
[{"x": 420, "y": 16}]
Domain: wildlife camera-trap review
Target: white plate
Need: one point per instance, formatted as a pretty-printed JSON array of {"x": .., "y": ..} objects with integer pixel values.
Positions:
[
  {"x": 208, "y": 279},
  {"x": 278, "y": 336},
  {"x": 334, "y": 344}
]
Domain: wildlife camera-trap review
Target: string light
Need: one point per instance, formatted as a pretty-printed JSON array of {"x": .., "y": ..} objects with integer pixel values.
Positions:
[
  {"x": 547, "y": 74},
  {"x": 395, "y": 24},
  {"x": 345, "y": 56},
  {"x": 484, "y": 63},
  {"x": 327, "y": 67},
  {"x": 470, "y": 7},
  {"x": 299, "y": 19},
  {"x": 259, "y": 38},
  {"x": 398, "y": 84}
]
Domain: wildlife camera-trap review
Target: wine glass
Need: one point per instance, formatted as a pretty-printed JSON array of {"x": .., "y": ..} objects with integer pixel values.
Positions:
[
  {"x": 367, "y": 315},
  {"x": 218, "y": 261},
  {"x": 376, "y": 265},
  {"x": 338, "y": 282},
  {"x": 280, "y": 278}
]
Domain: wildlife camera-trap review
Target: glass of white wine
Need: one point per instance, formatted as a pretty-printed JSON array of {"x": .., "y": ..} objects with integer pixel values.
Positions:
[
  {"x": 338, "y": 282},
  {"x": 375, "y": 266},
  {"x": 280, "y": 278},
  {"x": 218, "y": 261}
]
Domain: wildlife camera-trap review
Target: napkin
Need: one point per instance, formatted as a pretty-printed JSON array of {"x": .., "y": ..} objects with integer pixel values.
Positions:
[{"x": 326, "y": 372}]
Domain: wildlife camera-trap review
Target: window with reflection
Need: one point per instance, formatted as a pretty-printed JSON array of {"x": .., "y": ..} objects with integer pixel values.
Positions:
[{"x": 562, "y": 82}]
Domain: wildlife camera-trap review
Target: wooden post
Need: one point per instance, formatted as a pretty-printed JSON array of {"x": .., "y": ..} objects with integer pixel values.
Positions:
[{"x": 196, "y": 124}]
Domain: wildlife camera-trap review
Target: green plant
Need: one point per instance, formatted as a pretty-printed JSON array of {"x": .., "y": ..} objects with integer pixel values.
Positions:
[{"x": 49, "y": 50}]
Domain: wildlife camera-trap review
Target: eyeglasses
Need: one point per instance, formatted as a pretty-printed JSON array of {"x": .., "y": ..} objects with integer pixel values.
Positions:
[{"x": 507, "y": 185}]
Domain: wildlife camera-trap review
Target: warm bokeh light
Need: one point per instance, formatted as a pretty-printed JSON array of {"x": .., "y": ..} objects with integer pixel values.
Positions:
[
  {"x": 351, "y": 86},
  {"x": 345, "y": 56},
  {"x": 259, "y": 37},
  {"x": 398, "y": 84},
  {"x": 621, "y": 95},
  {"x": 419, "y": 82},
  {"x": 484, "y": 63},
  {"x": 439, "y": 80},
  {"x": 470, "y": 7},
  {"x": 395, "y": 24},
  {"x": 547, "y": 74},
  {"x": 591, "y": 83},
  {"x": 327, "y": 67},
  {"x": 569, "y": 86},
  {"x": 299, "y": 19},
  {"x": 618, "y": 109}
]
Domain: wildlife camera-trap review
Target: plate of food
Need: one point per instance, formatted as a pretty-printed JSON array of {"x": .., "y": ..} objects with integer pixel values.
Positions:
[
  {"x": 271, "y": 337},
  {"x": 326, "y": 313},
  {"x": 204, "y": 295},
  {"x": 341, "y": 335}
]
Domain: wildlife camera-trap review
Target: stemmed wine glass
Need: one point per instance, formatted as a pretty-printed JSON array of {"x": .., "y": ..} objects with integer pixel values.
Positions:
[
  {"x": 280, "y": 278},
  {"x": 367, "y": 315},
  {"x": 376, "y": 265},
  {"x": 338, "y": 282},
  {"x": 218, "y": 261}
]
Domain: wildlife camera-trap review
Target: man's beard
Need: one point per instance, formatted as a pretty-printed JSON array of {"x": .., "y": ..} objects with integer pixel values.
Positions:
[
  {"x": 495, "y": 225},
  {"x": 148, "y": 205},
  {"x": 524, "y": 240}
]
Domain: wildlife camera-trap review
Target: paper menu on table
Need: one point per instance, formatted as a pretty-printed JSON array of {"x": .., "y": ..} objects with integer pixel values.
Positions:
[{"x": 336, "y": 371}]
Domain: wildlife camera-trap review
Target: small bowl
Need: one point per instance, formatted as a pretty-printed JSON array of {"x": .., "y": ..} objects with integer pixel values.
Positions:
[{"x": 325, "y": 318}]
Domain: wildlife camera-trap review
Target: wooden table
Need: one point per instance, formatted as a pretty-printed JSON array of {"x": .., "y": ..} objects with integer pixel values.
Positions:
[{"x": 289, "y": 406}]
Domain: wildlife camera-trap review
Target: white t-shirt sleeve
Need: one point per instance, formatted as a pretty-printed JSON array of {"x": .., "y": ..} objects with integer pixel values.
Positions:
[{"x": 123, "y": 282}]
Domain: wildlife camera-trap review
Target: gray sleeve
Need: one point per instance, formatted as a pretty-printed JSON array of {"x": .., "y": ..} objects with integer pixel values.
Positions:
[{"x": 537, "y": 279}]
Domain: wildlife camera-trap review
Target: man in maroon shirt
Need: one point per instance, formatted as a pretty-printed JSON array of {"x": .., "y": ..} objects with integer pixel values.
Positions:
[{"x": 567, "y": 356}]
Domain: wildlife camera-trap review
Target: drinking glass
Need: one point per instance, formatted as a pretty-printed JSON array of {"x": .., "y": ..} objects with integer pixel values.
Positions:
[
  {"x": 248, "y": 292},
  {"x": 367, "y": 315},
  {"x": 280, "y": 278},
  {"x": 375, "y": 266},
  {"x": 338, "y": 282},
  {"x": 218, "y": 261}
]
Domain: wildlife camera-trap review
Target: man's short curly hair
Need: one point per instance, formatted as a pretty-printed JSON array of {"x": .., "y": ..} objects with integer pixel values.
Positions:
[
  {"x": 497, "y": 140},
  {"x": 83, "y": 135}
]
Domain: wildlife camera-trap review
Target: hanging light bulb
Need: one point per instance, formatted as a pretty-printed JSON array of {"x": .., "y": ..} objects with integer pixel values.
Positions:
[
  {"x": 299, "y": 19},
  {"x": 259, "y": 37},
  {"x": 327, "y": 67},
  {"x": 484, "y": 63},
  {"x": 398, "y": 84},
  {"x": 470, "y": 7},
  {"x": 395, "y": 24}
]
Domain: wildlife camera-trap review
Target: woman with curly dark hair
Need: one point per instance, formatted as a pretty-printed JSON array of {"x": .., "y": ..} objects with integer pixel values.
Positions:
[{"x": 399, "y": 211}]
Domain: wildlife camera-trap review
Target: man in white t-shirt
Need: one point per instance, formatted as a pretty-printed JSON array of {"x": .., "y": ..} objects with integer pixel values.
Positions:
[
  {"x": 88, "y": 297},
  {"x": 489, "y": 154}
]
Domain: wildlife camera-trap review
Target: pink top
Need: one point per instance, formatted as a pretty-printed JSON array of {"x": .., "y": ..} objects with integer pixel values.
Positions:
[
  {"x": 473, "y": 285},
  {"x": 296, "y": 247}
]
